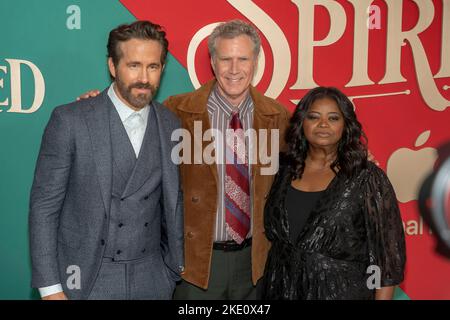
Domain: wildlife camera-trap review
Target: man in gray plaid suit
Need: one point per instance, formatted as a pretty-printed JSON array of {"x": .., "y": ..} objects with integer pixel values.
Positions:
[{"x": 106, "y": 206}]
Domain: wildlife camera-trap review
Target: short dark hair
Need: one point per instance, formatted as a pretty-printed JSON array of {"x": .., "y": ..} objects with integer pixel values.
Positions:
[
  {"x": 352, "y": 148},
  {"x": 141, "y": 29}
]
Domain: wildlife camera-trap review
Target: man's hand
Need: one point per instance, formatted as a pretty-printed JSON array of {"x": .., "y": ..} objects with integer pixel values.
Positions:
[
  {"x": 56, "y": 296},
  {"x": 89, "y": 94}
]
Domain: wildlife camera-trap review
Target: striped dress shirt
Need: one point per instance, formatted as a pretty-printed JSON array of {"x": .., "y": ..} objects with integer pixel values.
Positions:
[{"x": 219, "y": 110}]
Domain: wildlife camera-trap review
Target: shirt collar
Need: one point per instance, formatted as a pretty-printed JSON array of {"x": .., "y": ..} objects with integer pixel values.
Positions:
[
  {"x": 123, "y": 110},
  {"x": 227, "y": 107}
]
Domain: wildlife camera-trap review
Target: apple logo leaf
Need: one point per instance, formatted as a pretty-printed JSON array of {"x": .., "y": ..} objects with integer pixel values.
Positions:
[
  {"x": 407, "y": 168},
  {"x": 422, "y": 138}
]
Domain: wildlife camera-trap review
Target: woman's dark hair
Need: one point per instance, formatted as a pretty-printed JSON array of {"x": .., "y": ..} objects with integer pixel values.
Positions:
[
  {"x": 144, "y": 30},
  {"x": 352, "y": 148}
]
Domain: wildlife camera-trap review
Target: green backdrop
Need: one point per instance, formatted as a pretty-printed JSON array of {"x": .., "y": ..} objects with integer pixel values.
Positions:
[{"x": 71, "y": 61}]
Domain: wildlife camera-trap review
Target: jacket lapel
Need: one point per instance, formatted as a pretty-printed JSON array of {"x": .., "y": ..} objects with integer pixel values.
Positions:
[
  {"x": 97, "y": 120},
  {"x": 264, "y": 117},
  {"x": 198, "y": 113},
  {"x": 169, "y": 172}
]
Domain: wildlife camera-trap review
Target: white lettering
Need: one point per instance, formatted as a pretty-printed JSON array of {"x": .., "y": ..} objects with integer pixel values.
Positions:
[
  {"x": 306, "y": 42},
  {"x": 374, "y": 281},
  {"x": 74, "y": 20},
  {"x": 16, "y": 97},
  {"x": 74, "y": 280},
  {"x": 4, "y": 103}
]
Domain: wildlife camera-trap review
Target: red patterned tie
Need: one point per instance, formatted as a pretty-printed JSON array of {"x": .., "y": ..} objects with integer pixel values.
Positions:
[{"x": 237, "y": 190}]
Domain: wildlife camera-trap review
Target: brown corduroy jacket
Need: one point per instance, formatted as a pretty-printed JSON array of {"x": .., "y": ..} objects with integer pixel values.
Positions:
[{"x": 199, "y": 183}]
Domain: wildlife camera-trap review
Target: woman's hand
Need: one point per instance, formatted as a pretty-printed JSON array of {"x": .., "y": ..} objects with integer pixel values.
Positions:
[{"x": 385, "y": 293}]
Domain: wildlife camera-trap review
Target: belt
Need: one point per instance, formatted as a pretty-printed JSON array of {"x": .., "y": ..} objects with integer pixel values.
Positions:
[{"x": 232, "y": 245}]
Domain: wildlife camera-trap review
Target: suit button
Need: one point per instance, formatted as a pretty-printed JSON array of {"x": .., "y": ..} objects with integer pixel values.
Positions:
[
  {"x": 120, "y": 225},
  {"x": 146, "y": 198},
  {"x": 102, "y": 242},
  {"x": 195, "y": 199},
  {"x": 122, "y": 199},
  {"x": 190, "y": 235},
  {"x": 106, "y": 216},
  {"x": 118, "y": 251},
  {"x": 143, "y": 250},
  {"x": 146, "y": 224}
]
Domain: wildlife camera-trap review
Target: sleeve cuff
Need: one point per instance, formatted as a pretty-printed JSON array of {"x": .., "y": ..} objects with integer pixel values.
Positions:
[{"x": 46, "y": 291}]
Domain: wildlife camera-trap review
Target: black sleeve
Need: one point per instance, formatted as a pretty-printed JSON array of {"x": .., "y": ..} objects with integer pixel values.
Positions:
[{"x": 386, "y": 239}]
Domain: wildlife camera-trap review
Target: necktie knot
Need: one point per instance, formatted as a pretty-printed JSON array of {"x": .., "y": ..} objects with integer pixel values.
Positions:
[{"x": 235, "y": 122}]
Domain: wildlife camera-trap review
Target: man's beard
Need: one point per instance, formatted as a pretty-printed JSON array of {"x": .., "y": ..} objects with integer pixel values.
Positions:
[{"x": 140, "y": 100}]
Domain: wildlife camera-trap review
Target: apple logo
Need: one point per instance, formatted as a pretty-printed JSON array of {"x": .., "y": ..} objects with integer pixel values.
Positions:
[{"x": 407, "y": 168}]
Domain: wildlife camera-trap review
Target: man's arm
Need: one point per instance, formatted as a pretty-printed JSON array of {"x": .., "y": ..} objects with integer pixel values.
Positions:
[{"x": 47, "y": 197}]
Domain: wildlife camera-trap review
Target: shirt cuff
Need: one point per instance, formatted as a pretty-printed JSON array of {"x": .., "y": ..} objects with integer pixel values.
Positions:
[{"x": 46, "y": 291}]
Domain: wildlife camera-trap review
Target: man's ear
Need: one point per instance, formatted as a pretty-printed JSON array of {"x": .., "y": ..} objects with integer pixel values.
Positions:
[{"x": 111, "y": 67}]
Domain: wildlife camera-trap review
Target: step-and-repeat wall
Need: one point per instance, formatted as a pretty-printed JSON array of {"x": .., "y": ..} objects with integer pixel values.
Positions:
[{"x": 392, "y": 57}]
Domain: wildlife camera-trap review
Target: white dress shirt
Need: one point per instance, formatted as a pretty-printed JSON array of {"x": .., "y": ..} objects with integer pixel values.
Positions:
[
  {"x": 135, "y": 123},
  {"x": 126, "y": 114}
]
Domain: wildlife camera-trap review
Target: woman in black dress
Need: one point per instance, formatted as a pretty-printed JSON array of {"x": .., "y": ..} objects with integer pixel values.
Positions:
[{"x": 331, "y": 216}]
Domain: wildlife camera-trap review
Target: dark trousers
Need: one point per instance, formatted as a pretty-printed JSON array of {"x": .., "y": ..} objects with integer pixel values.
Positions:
[{"x": 230, "y": 279}]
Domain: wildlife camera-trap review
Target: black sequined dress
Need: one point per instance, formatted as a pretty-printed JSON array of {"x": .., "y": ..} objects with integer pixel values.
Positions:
[{"x": 354, "y": 225}]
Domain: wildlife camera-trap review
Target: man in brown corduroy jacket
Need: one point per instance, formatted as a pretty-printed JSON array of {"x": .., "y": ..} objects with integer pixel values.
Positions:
[{"x": 216, "y": 267}]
